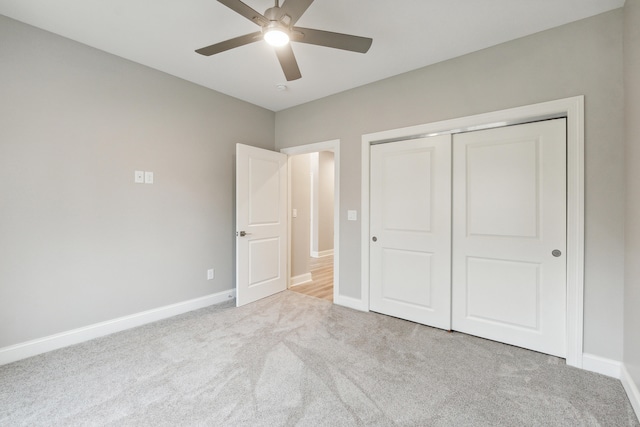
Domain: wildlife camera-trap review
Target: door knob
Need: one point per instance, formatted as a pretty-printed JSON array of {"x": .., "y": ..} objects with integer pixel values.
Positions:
[
  {"x": 374, "y": 238},
  {"x": 242, "y": 233},
  {"x": 556, "y": 253}
]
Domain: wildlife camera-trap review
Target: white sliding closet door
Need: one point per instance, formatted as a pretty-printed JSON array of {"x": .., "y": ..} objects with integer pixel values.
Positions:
[
  {"x": 509, "y": 235},
  {"x": 410, "y": 240}
]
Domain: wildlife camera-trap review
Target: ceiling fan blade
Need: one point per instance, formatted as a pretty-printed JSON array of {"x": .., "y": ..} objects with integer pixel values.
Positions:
[
  {"x": 294, "y": 9},
  {"x": 246, "y": 11},
  {"x": 230, "y": 44},
  {"x": 288, "y": 62},
  {"x": 329, "y": 39}
]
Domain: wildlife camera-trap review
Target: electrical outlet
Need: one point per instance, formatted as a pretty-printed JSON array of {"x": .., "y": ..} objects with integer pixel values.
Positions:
[
  {"x": 148, "y": 177},
  {"x": 211, "y": 273}
]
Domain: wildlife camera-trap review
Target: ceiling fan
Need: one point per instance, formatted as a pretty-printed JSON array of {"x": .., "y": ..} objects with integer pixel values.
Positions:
[{"x": 278, "y": 30}]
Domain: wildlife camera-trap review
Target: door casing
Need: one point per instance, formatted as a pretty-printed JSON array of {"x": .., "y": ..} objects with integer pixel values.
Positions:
[{"x": 571, "y": 108}]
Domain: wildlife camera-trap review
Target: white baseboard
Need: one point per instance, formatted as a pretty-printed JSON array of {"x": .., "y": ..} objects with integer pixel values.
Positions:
[
  {"x": 320, "y": 254},
  {"x": 300, "y": 280},
  {"x": 632, "y": 389},
  {"x": 601, "y": 365},
  {"x": 26, "y": 349},
  {"x": 355, "y": 303}
]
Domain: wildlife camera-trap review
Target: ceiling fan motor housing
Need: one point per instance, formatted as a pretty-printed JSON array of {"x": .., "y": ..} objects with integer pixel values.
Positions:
[{"x": 274, "y": 15}]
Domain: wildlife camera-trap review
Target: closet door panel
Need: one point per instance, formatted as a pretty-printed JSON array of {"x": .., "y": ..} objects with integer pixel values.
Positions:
[
  {"x": 509, "y": 235},
  {"x": 410, "y": 234}
]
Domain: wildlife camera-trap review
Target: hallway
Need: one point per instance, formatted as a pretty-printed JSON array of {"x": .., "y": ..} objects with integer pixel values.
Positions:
[{"x": 321, "y": 285}]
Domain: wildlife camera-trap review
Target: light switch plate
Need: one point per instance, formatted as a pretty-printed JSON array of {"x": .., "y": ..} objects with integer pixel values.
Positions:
[
  {"x": 148, "y": 177},
  {"x": 294, "y": 214},
  {"x": 352, "y": 215},
  {"x": 138, "y": 177}
]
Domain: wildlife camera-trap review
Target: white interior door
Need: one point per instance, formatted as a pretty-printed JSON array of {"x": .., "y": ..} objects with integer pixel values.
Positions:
[
  {"x": 509, "y": 235},
  {"x": 261, "y": 223},
  {"x": 410, "y": 225}
]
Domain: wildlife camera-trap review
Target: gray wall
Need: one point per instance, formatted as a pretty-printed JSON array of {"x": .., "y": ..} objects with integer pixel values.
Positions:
[
  {"x": 632, "y": 155},
  {"x": 79, "y": 241},
  {"x": 581, "y": 58},
  {"x": 300, "y": 226},
  {"x": 325, "y": 200},
  {"x": 314, "y": 163}
]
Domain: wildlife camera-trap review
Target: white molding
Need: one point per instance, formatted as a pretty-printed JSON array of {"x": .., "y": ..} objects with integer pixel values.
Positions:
[
  {"x": 364, "y": 220},
  {"x": 300, "y": 279},
  {"x": 349, "y": 302},
  {"x": 312, "y": 148},
  {"x": 321, "y": 254},
  {"x": 631, "y": 388},
  {"x": 575, "y": 228},
  {"x": 75, "y": 336},
  {"x": 333, "y": 146},
  {"x": 573, "y": 110},
  {"x": 601, "y": 365}
]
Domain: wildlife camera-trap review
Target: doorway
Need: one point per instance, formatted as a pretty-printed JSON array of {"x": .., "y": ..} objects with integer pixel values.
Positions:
[
  {"x": 313, "y": 224},
  {"x": 311, "y": 240}
]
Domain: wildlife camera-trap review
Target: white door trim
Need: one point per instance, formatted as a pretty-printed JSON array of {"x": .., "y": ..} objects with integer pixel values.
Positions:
[
  {"x": 334, "y": 146},
  {"x": 573, "y": 110}
]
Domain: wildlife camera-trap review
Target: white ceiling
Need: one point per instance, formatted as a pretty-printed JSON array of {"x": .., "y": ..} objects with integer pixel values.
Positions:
[{"x": 407, "y": 35}]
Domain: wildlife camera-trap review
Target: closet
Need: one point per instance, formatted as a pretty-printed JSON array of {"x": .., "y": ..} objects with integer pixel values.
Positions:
[{"x": 468, "y": 233}]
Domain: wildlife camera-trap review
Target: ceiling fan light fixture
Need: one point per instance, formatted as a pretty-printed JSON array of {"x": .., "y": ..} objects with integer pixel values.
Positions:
[{"x": 276, "y": 37}]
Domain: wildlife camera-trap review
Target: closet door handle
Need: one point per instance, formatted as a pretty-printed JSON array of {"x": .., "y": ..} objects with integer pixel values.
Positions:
[
  {"x": 374, "y": 238},
  {"x": 556, "y": 253}
]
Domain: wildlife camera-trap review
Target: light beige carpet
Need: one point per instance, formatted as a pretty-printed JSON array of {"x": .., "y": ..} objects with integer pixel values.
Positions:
[{"x": 295, "y": 360}]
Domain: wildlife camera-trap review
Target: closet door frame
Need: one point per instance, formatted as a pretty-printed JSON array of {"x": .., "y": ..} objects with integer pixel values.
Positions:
[{"x": 570, "y": 108}]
